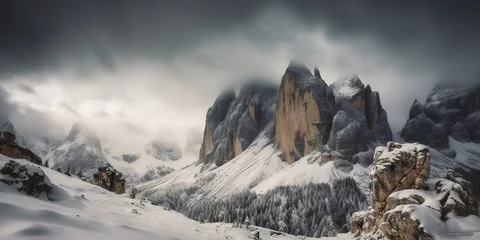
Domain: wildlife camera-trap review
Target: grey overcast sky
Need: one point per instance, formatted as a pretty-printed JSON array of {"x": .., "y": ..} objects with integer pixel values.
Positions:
[{"x": 138, "y": 70}]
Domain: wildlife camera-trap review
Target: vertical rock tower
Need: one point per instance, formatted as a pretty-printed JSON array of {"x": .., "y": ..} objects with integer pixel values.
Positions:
[
  {"x": 304, "y": 112},
  {"x": 233, "y": 122}
]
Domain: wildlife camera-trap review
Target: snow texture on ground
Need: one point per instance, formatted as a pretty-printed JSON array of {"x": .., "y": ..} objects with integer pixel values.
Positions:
[{"x": 79, "y": 210}]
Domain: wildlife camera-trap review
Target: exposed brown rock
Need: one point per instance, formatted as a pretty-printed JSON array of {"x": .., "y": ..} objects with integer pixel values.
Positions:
[
  {"x": 398, "y": 167},
  {"x": 26, "y": 178},
  {"x": 398, "y": 224},
  {"x": 399, "y": 190},
  {"x": 109, "y": 178},
  {"x": 304, "y": 101},
  {"x": 12, "y": 150}
]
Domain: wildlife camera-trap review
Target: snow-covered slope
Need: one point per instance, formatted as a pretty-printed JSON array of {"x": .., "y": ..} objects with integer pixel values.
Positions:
[
  {"x": 259, "y": 168},
  {"x": 79, "y": 210},
  {"x": 260, "y": 161},
  {"x": 467, "y": 158},
  {"x": 146, "y": 167}
]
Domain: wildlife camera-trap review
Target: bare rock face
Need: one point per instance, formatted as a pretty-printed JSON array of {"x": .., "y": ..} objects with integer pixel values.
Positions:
[
  {"x": 403, "y": 197},
  {"x": 399, "y": 224},
  {"x": 26, "y": 178},
  {"x": 304, "y": 112},
  {"x": 398, "y": 167},
  {"x": 234, "y": 122},
  {"x": 10, "y": 148},
  {"x": 359, "y": 119},
  {"x": 448, "y": 111},
  {"x": 109, "y": 178}
]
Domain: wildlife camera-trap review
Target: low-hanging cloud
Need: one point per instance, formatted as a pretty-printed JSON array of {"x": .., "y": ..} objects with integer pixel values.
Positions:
[{"x": 143, "y": 69}]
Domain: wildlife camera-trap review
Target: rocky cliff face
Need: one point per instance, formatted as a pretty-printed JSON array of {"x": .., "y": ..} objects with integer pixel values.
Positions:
[
  {"x": 10, "y": 148},
  {"x": 304, "y": 112},
  {"x": 404, "y": 201},
  {"x": 448, "y": 110},
  {"x": 398, "y": 167},
  {"x": 302, "y": 115},
  {"x": 360, "y": 122},
  {"x": 109, "y": 178},
  {"x": 81, "y": 149},
  {"x": 234, "y": 122}
]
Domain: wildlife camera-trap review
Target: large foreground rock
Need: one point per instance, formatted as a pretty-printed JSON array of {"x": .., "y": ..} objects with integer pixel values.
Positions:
[
  {"x": 398, "y": 167},
  {"x": 26, "y": 178},
  {"x": 403, "y": 197}
]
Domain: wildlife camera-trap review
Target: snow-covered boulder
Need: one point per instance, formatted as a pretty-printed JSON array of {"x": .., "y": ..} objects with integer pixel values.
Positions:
[
  {"x": 406, "y": 205},
  {"x": 26, "y": 178},
  {"x": 109, "y": 178}
]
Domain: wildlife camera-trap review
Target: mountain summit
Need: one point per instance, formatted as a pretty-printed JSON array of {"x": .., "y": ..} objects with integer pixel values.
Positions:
[{"x": 81, "y": 149}]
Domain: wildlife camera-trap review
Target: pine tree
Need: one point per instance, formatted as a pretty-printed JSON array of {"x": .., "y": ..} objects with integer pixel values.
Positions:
[
  {"x": 46, "y": 164},
  {"x": 67, "y": 172}
]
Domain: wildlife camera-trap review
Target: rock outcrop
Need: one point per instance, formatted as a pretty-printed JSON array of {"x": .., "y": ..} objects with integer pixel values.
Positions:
[
  {"x": 234, "y": 122},
  {"x": 448, "y": 111},
  {"x": 10, "y": 148},
  {"x": 397, "y": 167},
  {"x": 304, "y": 112},
  {"x": 360, "y": 122},
  {"x": 109, "y": 178},
  {"x": 81, "y": 150},
  {"x": 404, "y": 201},
  {"x": 26, "y": 178}
]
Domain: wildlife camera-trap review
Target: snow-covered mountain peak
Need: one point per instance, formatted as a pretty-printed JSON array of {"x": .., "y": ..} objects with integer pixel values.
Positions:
[
  {"x": 347, "y": 87},
  {"x": 81, "y": 130},
  {"x": 81, "y": 149}
]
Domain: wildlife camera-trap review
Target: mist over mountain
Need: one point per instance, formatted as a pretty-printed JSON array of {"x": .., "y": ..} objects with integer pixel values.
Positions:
[{"x": 239, "y": 119}]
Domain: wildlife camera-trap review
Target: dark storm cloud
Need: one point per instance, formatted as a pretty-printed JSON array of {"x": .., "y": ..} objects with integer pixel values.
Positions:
[
  {"x": 425, "y": 41},
  {"x": 26, "y": 88},
  {"x": 438, "y": 36},
  {"x": 21, "y": 117},
  {"x": 45, "y": 35},
  {"x": 38, "y": 35}
]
